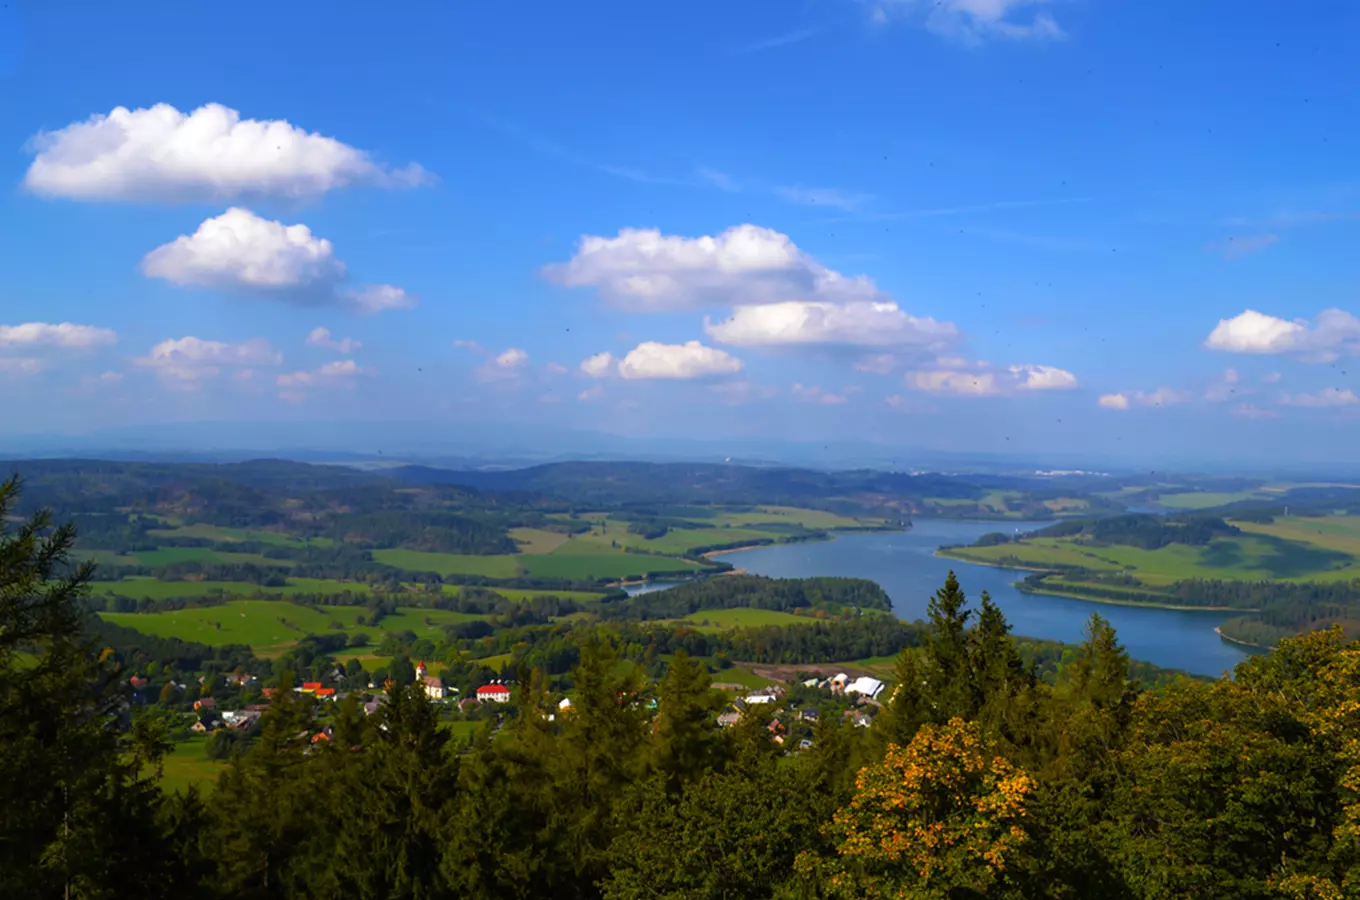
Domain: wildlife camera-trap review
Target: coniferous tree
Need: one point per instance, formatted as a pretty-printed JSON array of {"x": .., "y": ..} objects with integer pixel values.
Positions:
[{"x": 80, "y": 807}]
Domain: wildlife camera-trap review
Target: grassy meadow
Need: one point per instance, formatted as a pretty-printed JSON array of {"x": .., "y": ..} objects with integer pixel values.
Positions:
[
  {"x": 1292, "y": 549},
  {"x": 271, "y": 626}
]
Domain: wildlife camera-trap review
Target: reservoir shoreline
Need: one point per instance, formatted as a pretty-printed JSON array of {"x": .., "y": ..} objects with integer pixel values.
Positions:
[{"x": 908, "y": 567}]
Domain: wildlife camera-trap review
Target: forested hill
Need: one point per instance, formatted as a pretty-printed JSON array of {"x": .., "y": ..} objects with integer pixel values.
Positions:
[
  {"x": 871, "y": 491},
  {"x": 220, "y": 491}
]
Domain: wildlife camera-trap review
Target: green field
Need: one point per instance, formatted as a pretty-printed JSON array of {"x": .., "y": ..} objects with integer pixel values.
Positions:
[
  {"x": 273, "y": 625},
  {"x": 1202, "y": 499},
  {"x": 742, "y": 676},
  {"x": 1285, "y": 552},
  {"x": 187, "y": 764},
  {"x": 1340, "y": 533},
  {"x": 154, "y": 589},
  {"x": 501, "y": 566},
  {"x": 725, "y": 619},
  {"x": 235, "y": 535},
  {"x": 166, "y": 556},
  {"x": 535, "y": 540}
]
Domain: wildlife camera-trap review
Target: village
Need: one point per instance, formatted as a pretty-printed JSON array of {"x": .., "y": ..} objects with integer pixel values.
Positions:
[{"x": 229, "y": 711}]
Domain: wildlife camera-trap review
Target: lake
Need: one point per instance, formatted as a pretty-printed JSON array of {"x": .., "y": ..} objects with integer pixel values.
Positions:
[{"x": 905, "y": 565}]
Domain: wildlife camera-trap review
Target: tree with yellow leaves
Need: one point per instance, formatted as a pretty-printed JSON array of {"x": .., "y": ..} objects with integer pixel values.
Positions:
[{"x": 943, "y": 817}]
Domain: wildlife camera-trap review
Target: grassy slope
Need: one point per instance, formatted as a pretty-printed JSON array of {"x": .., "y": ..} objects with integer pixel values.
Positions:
[
  {"x": 724, "y": 619},
  {"x": 1293, "y": 549},
  {"x": 501, "y": 566},
  {"x": 271, "y": 625},
  {"x": 1202, "y": 499},
  {"x": 187, "y": 763}
]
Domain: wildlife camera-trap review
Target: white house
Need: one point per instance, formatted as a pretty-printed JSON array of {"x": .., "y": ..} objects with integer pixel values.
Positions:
[
  {"x": 434, "y": 687},
  {"x": 760, "y": 698},
  {"x": 869, "y": 687},
  {"x": 493, "y": 693}
]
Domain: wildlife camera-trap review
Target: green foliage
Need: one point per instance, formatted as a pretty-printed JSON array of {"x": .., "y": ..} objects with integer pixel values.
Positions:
[{"x": 996, "y": 768}]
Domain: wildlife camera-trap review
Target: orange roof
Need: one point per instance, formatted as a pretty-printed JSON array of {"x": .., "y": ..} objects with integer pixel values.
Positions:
[
  {"x": 325, "y": 692},
  {"x": 311, "y": 685},
  {"x": 320, "y": 736}
]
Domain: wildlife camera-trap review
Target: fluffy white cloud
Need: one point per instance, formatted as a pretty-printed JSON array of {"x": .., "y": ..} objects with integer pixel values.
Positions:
[
  {"x": 813, "y": 394},
  {"x": 507, "y": 365},
  {"x": 954, "y": 381},
  {"x": 1042, "y": 378},
  {"x": 321, "y": 338},
  {"x": 600, "y": 365},
  {"x": 653, "y": 360},
  {"x": 957, "y": 376},
  {"x": 644, "y": 270},
  {"x": 854, "y": 324},
  {"x": 1333, "y": 333},
  {"x": 973, "y": 21},
  {"x": 65, "y": 334},
  {"x": 238, "y": 250},
  {"x": 512, "y": 358},
  {"x": 1161, "y": 397},
  {"x": 187, "y": 361},
  {"x": 1321, "y": 399},
  {"x": 339, "y": 373},
  {"x": 160, "y": 154},
  {"x": 376, "y": 298}
]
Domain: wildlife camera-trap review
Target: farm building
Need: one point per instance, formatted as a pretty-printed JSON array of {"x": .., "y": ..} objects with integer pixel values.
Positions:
[
  {"x": 493, "y": 693},
  {"x": 434, "y": 687}
]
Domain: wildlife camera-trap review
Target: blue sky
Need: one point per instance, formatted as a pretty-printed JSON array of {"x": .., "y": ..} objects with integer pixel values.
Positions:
[{"x": 983, "y": 225}]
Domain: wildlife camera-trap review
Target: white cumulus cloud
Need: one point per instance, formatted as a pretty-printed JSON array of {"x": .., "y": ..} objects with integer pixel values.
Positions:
[
  {"x": 241, "y": 251},
  {"x": 973, "y": 21},
  {"x": 376, "y": 298},
  {"x": 64, "y": 334},
  {"x": 1161, "y": 397},
  {"x": 1333, "y": 333},
  {"x": 1042, "y": 378},
  {"x": 600, "y": 365},
  {"x": 507, "y": 365},
  {"x": 339, "y": 373},
  {"x": 811, "y": 393},
  {"x": 188, "y": 361},
  {"x": 159, "y": 154},
  {"x": 1321, "y": 399},
  {"x": 653, "y": 360},
  {"x": 952, "y": 375},
  {"x": 644, "y": 270},
  {"x": 321, "y": 338},
  {"x": 853, "y": 324}
]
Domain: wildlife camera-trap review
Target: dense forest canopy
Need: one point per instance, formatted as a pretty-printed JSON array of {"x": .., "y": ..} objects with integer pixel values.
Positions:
[{"x": 972, "y": 775}]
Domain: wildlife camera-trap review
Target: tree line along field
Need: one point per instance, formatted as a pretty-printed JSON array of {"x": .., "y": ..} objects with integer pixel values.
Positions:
[
  {"x": 270, "y": 626},
  {"x": 606, "y": 551},
  {"x": 1285, "y": 552}
]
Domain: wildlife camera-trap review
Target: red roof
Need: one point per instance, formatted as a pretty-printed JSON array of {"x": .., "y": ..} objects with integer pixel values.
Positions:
[
  {"x": 311, "y": 685},
  {"x": 493, "y": 689},
  {"x": 325, "y": 692}
]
